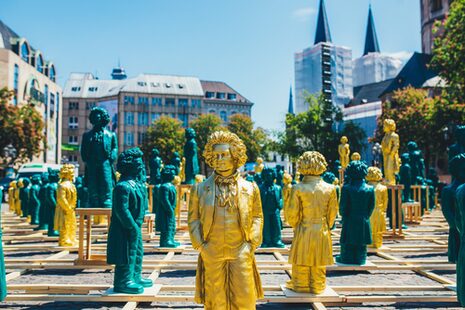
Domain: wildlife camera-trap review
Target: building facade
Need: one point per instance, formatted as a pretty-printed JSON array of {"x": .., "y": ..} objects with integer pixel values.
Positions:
[
  {"x": 134, "y": 103},
  {"x": 25, "y": 70},
  {"x": 431, "y": 11}
]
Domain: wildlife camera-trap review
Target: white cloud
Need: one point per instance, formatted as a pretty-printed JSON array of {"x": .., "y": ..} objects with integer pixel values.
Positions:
[
  {"x": 303, "y": 14},
  {"x": 402, "y": 55}
]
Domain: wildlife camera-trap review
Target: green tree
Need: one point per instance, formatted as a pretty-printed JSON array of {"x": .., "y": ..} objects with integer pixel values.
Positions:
[
  {"x": 22, "y": 127},
  {"x": 449, "y": 51},
  {"x": 358, "y": 137},
  {"x": 166, "y": 134}
]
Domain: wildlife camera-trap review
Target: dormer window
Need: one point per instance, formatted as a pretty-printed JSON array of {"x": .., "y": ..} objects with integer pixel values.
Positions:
[
  {"x": 40, "y": 63},
  {"x": 142, "y": 84},
  {"x": 51, "y": 73},
  {"x": 168, "y": 85},
  {"x": 155, "y": 84},
  {"x": 181, "y": 86},
  {"x": 24, "y": 52},
  {"x": 93, "y": 89},
  {"x": 231, "y": 96},
  {"x": 210, "y": 94},
  {"x": 75, "y": 88}
]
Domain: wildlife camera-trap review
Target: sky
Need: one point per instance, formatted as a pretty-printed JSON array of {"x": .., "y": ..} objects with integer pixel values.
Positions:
[{"x": 249, "y": 44}]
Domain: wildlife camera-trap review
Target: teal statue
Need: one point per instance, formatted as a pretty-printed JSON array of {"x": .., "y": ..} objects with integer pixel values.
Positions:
[
  {"x": 24, "y": 196},
  {"x": 459, "y": 160},
  {"x": 459, "y": 146},
  {"x": 34, "y": 200},
  {"x": 448, "y": 205},
  {"x": 165, "y": 220},
  {"x": 356, "y": 205},
  {"x": 336, "y": 167},
  {"x": 155, "y": 165},
  {"x": 82, "y": 193},
  {"x": 272, "y": 204},
  {"x": 417, "y": 162},
  {"x": 3, "y": 290},
  {"x": 190, "y": 153},
  {"x": 176, "y": 162},
  {"x": 43, "y": 224},
  {"x": 279, "y": 175},
  {"x": 51, "y": 202},
  {"x": 142, "y": 186},
  {"x": 125, "y": 248},
  {"x": 405, "y": 174},
  {"x": 99, "y": 149}
]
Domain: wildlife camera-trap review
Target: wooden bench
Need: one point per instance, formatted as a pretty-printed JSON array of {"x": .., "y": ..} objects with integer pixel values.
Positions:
[{"x": 412, "y": 211}]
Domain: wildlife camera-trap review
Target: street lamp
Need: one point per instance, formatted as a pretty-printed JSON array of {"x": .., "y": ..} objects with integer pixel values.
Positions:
[{"x": 376, "y": 152}]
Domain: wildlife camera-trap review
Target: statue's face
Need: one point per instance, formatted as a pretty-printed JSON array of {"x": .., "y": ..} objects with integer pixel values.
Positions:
[
  {"x": 344, "y": 140},
  {"x": 268, "y": 176},
  {"x": 139, "y": 164},
  {"x": 224, "y": 162}
]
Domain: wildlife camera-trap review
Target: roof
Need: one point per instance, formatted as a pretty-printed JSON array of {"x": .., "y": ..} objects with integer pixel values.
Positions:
[
  {"x": 290, "y": 108},
  {"x": 222, "y": 87},
  {"x": 368, "y": 93},
  {"x": 371, "y": 39},
  {"x": 6, "y": 34},
  {"x": 85, "y": 85},
  {"x": 322, "y": 26},
  {"x": 414, "y": 73}
]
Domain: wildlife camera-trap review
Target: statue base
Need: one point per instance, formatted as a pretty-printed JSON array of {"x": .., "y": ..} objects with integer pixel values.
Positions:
[
  {"x": 367, "y": 264},
  {"x": 329, "y": 295},
  {"x": 148, "y": 291}
]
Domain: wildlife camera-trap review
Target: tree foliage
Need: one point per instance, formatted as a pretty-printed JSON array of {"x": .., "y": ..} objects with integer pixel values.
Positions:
[
  {"x": 449, "y": 51},
  {"x": 167, "y": 135},
  {"x": 20, "y": 126},
  {"x": 357, "y": 136}
]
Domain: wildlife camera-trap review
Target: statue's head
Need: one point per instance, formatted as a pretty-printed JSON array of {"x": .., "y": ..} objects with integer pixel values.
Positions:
[
  {"x": 457, "y": 167},
  {"x": 225, "y": 152},
  {"x": 287, "y": 178},
  {"x": 337, "y": 163},
  {"x": 20, "y": 183},
  {"x": 311, "y": 163},
  {"x": 190, "y": 133},
  {"x": 67, "y": 172},
  {"x": 26, "y": 182},
  {"x": 199, "y": 178},
  {"x": 130, "y": 162},
  {"x": 279, "y": 168},
  {"x": 176, "y": 180},
  {"x": 355, "y": 156},
  {"x": 53, "y": 176},
  {"x": 357, "y": 170},
  {"x": 155, "y": 152},
  {"x": 176, "y": 155},
  {"x": 44, "y": 178},
  {"x": 268, "y": 175},
  {"x": 374, "y": 174},
  {"x": 78, "y": 181},
  {"x": 168, "y": 173},
  {"x": 389, "y": 125},
  {"x": 13, "y": 184},
  {"x": 460, "y": 134},
  {"x": 259, "y": 160},
  {"x": 420, "y": 180},
  {"x": 35, "y": 179},
  {"x": 344, "y": 140},
  {"x": 328, "y": 177},
  {"x": 412, "y": 146},
  {"x": 99, "y": 117},
  {"x": 405, "y": 158},
  {"x": 416, "y": 155}
]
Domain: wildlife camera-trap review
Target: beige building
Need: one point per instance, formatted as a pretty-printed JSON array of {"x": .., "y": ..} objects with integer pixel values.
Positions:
[
  {"x": 134, "y": 103},
  {"x": 431, "y": 11},
  {"x": 25, "y": 70}
]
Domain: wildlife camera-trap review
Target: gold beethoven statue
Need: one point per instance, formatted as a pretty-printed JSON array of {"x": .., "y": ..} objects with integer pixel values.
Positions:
[
  {"x": 225, "y": 224},
  {"x": 287, "y": 187},
  {"x": 378, "y": 217},
  {"x": 259, "y": 166},
  {"x": 312, "y": 212},
  {"x": 65, "y": 218},
  {"x": 344, "y": 151},
  {"x": 18, "y": 210},
  {"x": 355, "y": 156},
  {"x": 390, "y": 149},
  {"x": 11, "y": 196}
]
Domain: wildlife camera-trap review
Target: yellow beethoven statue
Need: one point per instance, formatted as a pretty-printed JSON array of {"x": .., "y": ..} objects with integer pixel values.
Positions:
[
  {"x": 378, "y": 217},
  {"x": 225, "y": 224},
  {"x": 312, "y": 212},
  {"x": 355, "y": 156},
  {"x": 344, "y": 151},
  {"x": 65, "y": 217},
  {"x": 287, "y": 187},
  {"x": 11, "y": 196},
  {"x": 18, "y": 210},
  {"x": 390, "y": 149}
]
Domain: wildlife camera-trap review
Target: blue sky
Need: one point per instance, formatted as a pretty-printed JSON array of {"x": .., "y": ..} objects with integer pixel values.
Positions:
[{"x": 249, "y": 44}]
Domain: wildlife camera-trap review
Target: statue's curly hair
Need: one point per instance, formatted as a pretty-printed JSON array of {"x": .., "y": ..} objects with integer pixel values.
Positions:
[
  {"x": 456, "y": 163},
  {"x": 311, "y": 163},
  {"x": 328, "y": 177},
  {"x": 374, "y": 174},
  {"x": 105, "y": 120},
  {"x": 390, "y": 123},
  {"x": 236, "y": 147},
  {"x": 344, "y": 138},
  {"x": 67, "y": 171},
  {"x": 126, "y": 160},
  {"x": 190, "y": 133},
  {"x": 355, "y": 156},
  {"x": 155, "y": 152},
  {"x": 357, "y": 170}
]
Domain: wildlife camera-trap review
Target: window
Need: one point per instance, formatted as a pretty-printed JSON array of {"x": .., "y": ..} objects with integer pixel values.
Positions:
[
  {"x": 15, "y": 84},
  {"x": 183, "y": 118},
  {"x": 183, "y": 102},
  {"x": 73, "y": 140},
  {"x": 220, "y": 95},
  {"x": 24, "y": 52},
  {"x": 233, "y": 112},
  {"x": 40, "y": 64},
  {"x": 224, "y": 116},
  {"x": 212, "y": 111},
  {"x": 52, "y": 104},
  {"x": 210, "y": 94},
  {"x": 173, "y": 115},
  {"x": 155, "y": 84},
  {"x": 129, "y": 99},
  {"x": 72, "y": 158},
  {"x": 129, "y": 138},
  {"x": 141, "y": 84},
  {"x": 73, "y": 122},
  {"x": 93, "y": 88},
  {"x": 168, "y": 85},
  {"x": 51, "y": 74},
  {"x": 181, "y": 86},
  {"x": 75, "y": 88},
  {"x": 143, "y": 100},
  {"x": 154, "y": 117},
  {"x": 232, "y": 96},
  {"x": 73, "y": 105},
  {"x": 143, "y": 118},
  {"x": 196, "y": 103},
  {"x": 90, "y": 105},
  {"x": 129, "y": 118},
  {"x": 169, "y": 102},
  {"x": 436, "y": 5},
  {"x": 46, "y": 96},
  {"x": 140, "y": 137},
  {"x": 156, "y": 101}
]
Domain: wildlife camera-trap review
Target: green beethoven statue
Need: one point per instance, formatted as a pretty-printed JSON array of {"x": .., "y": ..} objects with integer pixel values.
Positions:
[
  {"x": 43, "y": 224},
  {"x": 166, "y": 216},
  {"x": 356, "y": 205},
  {"x": 2, "y": 262},
  {"x": 191, "y": 168},
  {"x": 125, "y": 248},
  {"x": 459, "y": 163},
  {"x": 82, "y": 193},
  {"x": 99, "y": 149},
  {"x": 24, "y": 196},
  {"x": 176, "y": 162},
  {"x": 51, "y": 202},
  {"x": 34, "y": 200},
  {"x": 459, "y": 146},
  {"x": 405, "y": 174},
  {"x": 448, "y": 205},
  {"x": 155, "y": 165},
  {"x": 272, "y": 203}
]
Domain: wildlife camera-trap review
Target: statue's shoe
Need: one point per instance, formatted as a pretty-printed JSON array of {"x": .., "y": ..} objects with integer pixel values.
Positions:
[
  {"x": 54, "y": 233},
  {"x": 264, "y": 245},
  {"x": 170, "y": 244},
  {"x": 129, "y": 288},
  {"x": 144, "y": 282},
  {"x": 177, "y": 243},
  {"x": 279, "y": 244}
]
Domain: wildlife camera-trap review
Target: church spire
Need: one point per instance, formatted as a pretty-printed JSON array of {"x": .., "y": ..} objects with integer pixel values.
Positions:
[
  {"x": 322, "y": 26},
  {"x": 371, "y": 39},
  {"x": 290, "y": 109}
]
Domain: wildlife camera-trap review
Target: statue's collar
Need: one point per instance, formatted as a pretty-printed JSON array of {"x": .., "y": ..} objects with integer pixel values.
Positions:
[{"x": 227, "y": 180}]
